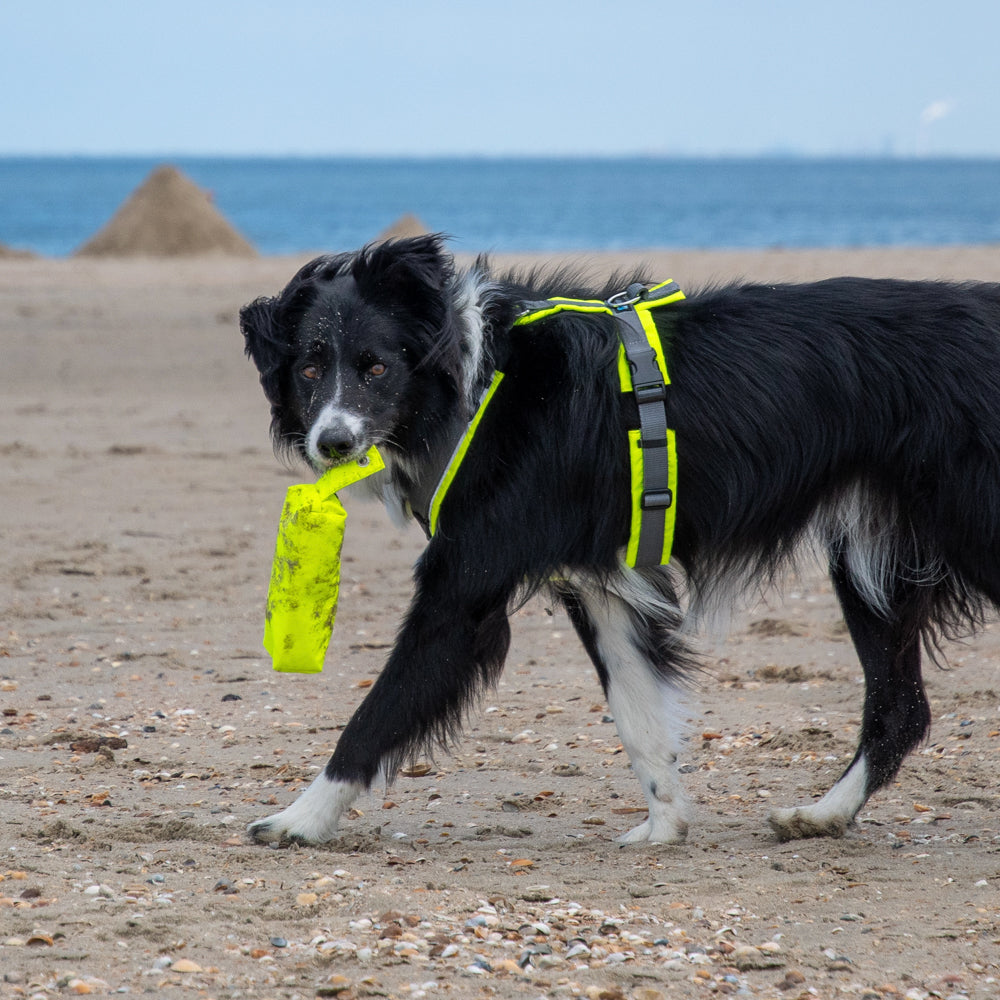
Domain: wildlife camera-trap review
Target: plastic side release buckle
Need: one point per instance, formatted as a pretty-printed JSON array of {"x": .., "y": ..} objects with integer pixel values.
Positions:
[{"x": 659, "y": 500}]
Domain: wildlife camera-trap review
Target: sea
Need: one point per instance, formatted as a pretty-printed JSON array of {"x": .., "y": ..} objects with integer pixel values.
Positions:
[{"x": 291, "y": 205}]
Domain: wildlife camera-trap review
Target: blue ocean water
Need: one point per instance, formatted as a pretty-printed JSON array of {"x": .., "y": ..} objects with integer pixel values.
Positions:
[{"x": 52, "y": 205}]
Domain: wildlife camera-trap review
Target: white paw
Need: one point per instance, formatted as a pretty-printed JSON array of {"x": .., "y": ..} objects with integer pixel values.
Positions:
[
  {"x": 670, "y": 830},
  {"x": 270, "y": 830},
  {"x": 807, "y": 821},
  {"x": 312, "y": 818},
  {"x": 832, "y": 814},
  {"x": 637, "y": 835},
  {"x": 281, "y": 828}
]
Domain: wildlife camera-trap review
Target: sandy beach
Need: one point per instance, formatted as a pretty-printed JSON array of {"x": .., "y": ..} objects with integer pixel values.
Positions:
[{"x": 142, "y": 727}]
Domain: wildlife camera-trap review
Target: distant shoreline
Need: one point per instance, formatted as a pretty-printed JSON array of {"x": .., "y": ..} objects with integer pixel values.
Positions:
[{"x": 54, "y": 205}]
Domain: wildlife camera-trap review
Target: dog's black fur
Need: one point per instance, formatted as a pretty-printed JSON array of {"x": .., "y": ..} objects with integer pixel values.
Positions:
[{"x": 863, "y": 413}]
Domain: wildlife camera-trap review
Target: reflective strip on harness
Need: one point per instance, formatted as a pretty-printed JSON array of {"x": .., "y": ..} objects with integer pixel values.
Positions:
[
  {"x": 662, "y": 507},
  {"x": 451, "y": 469}
]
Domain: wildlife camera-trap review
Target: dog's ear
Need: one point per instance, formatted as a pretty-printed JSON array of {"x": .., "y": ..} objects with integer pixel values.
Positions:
[
  {"x": 264, "y": 344},
  {"x": 410, "y": 273}
]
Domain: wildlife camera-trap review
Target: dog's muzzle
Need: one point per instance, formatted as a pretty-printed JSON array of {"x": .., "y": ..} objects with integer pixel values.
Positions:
[
  {"x": 337, "y": 443},
  {"x": 337, "y": 436}
]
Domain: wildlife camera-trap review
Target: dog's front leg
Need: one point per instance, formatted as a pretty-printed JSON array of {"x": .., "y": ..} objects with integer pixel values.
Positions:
[{"x": 452, "y": 644}]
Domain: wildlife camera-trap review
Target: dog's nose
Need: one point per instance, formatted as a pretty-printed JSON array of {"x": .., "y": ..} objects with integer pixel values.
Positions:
[{"x": 336, "y": 442}]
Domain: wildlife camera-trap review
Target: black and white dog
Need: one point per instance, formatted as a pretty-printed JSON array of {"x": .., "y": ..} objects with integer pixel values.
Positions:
[{"x": 863, "y": 414}]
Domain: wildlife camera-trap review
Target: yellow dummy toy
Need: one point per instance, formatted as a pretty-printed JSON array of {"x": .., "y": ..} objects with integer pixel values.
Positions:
[{"x": 305, "y": 575}]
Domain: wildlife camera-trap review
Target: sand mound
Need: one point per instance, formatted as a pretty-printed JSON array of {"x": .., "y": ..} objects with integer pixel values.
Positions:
[
  {"x": 404, "y": 227},
  {"x": 168, "y": 215},
  {"x": 9, "y": 253}
]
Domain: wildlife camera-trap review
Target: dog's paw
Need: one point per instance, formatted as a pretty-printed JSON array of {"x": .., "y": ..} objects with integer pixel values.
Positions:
[
  {"x": 282, "y": 828},
  {"x": 312, "y": 818},
  {"x": 805, "y": 821},
  {"x": 267, "y": 830},
  {"x": 672, "y": 831},
  {"x": 832, "y": 814},
  {"x": 274, "y": 830}
]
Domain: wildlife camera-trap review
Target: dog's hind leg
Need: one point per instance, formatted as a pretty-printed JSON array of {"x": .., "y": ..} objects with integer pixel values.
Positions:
[
  {"x": 628, "y": 627},
  {"x": 896, "y": 714}
]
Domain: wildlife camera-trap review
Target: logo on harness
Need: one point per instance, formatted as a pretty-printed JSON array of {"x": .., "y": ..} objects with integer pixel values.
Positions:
[{"x": 642, "y": 370}]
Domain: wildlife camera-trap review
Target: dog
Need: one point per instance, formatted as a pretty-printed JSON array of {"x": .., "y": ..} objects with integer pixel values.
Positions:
[{"x": 861, "y": 415}]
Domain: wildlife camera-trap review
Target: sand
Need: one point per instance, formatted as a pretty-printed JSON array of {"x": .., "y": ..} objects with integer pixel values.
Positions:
[{"x": 142, "y": 727}]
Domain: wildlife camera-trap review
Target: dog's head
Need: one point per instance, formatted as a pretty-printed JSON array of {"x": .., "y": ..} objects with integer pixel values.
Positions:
[{"x": 358, "y": 349}]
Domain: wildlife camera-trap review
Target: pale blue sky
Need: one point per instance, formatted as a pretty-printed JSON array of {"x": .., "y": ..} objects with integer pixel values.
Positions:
[{"x": 504, "y": 77}]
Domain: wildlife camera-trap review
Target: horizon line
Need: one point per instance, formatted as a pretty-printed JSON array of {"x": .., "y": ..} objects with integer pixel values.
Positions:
[{"x": 775, "y": 154}]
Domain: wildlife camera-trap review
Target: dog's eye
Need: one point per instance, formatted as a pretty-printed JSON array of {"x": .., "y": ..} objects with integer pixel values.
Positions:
[
  {"x": 377, "y": 369},
  {"x": 310, "y": 372}
]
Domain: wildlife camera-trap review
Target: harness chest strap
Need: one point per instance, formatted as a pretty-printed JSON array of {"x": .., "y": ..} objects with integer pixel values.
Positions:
[
  {"x": 642, "y": 371},
  {"x": 451, "y": 469}
]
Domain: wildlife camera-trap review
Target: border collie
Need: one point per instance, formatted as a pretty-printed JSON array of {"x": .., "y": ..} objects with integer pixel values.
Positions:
[{"x": 863, "y": 415}]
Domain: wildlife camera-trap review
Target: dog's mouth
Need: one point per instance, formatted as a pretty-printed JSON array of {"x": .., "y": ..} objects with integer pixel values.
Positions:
[{"x": 322, "y": 463}]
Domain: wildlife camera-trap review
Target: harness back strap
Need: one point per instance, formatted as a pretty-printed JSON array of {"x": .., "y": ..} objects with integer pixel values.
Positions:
[
  {"x": 642, "y": 370},
  {"x": 653, "y": 448}
]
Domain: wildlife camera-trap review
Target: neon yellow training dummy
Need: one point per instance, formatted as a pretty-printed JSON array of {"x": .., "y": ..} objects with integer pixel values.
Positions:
[{"x": 305, "y": 575}]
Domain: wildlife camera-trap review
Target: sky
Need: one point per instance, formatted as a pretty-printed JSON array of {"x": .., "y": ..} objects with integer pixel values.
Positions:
[{"x": 500, "y": 77}]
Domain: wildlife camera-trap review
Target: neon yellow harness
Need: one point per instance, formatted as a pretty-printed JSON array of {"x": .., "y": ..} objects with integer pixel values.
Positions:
[{"x": 642, "y": 370}]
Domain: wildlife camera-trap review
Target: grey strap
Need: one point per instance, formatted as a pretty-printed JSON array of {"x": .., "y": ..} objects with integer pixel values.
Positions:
[{"x": 651, "y": 397}]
